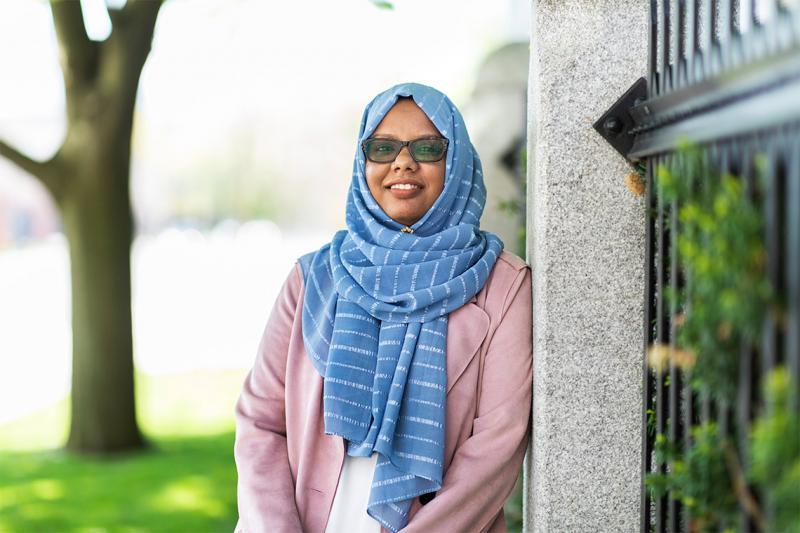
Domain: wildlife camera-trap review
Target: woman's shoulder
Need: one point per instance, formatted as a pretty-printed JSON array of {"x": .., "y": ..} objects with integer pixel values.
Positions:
[
  {"x": 508, "y": 268},
  {"x": 306, "y": 261},
  {"x": 509, "y": 276},
  {"x": 510, "y": 261}
]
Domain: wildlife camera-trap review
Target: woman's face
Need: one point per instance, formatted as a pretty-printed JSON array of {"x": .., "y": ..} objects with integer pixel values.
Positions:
[{"x": 405, "y": 122}]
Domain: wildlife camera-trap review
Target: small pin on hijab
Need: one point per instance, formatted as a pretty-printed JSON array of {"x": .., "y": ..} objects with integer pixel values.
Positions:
[{"x": 406, "y": 230}]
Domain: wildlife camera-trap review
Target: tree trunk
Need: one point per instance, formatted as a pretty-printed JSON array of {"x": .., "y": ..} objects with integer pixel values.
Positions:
[
  {"x": 99, "y": 227},
  {"x": 98, "y": 222}
]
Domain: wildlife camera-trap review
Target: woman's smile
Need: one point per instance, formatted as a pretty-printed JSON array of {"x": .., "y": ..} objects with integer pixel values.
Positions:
[{"x": 404, "y": 189}]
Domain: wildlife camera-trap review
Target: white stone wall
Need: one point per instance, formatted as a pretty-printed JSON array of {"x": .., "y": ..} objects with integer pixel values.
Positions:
[{"x": 586, "y": 245}]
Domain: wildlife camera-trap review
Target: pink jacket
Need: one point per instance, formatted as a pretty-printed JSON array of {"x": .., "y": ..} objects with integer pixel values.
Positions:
[{"x": 289, "y": 469}]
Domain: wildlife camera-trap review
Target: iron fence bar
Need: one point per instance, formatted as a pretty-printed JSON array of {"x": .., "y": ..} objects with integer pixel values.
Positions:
[
  {"x": 707, "y": 160},
  {"x": 744, "y": 403},
  {"x": 748, "y": 386},
  {"x": 665, "y": 71},
  {"x": 689, "y": 414},
  {"x": 705, "y": 408},
  {"x": 771, "y": 240},
  {"x": 723, "y": 427},
  {"x": 792, "y": 225},
  {"x": 649, "y": 315},
  {"x": 691, "y": 40},
  {"x": 723, "y": 417},
  {"x": 726, "y": 33},
  {"x": 717, "y": 37},
  {"x": 744, "y": 390},
  {"x": 745, "y": 16},
  {"x": 698, "y": 40},
  {"x": 723, "y": 162},
  {"x": 707, "y": 22},
  {"x": 652, "y": 58},
  {"x": 725, "y": 21},
  {"x": 662, "y": 408},
  {"x": 754, "y": 13},
  {"x": 674, "y": 374},
  {"x": 769, "y": 340},
  {"x": 747, "y": 170},
  {"x": 679, "y": 38}
]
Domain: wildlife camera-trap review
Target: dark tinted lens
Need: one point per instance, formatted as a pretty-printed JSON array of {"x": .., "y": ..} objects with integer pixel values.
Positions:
[
  {"x": 428, "y": 149},
  {"x": 381, "y": 150}
]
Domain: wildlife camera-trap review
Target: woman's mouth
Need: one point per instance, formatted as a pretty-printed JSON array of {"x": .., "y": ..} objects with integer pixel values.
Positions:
[{"x": 404, "y": 190}]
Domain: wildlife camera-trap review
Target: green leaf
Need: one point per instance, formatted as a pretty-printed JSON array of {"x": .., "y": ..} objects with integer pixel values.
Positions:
[{"x": 382, "y": 4}]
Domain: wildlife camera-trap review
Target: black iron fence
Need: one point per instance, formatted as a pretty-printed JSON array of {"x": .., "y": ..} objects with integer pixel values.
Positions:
[{"x": 725, "y": 76}]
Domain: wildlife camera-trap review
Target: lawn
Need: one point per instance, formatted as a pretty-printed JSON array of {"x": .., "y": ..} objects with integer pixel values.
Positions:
[{"x": 184, "y": 482}]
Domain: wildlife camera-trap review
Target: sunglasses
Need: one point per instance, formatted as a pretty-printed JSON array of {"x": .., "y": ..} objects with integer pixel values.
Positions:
[{"x": 421, "y": 150}]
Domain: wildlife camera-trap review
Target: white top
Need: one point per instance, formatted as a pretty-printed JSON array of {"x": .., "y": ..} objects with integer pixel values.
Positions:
[{"x": 349, "y": 509}]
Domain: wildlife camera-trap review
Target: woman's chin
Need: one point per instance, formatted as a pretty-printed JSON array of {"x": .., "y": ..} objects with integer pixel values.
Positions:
[{"x": 404, "y": 215}]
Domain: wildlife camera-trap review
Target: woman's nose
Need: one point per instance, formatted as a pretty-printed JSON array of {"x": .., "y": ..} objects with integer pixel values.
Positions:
[{"x": 404, "y": 161}]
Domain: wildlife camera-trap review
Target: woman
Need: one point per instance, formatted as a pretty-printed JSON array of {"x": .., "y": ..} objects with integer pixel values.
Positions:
[{"x": 392, "y": 385}]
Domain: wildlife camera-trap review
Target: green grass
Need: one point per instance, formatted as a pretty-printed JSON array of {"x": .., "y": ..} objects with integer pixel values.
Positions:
[{"x": 184, "y": 482}]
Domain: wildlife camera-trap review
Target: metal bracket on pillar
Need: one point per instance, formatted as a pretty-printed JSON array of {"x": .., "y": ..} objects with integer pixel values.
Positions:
[{"x": 616, "y": 123}]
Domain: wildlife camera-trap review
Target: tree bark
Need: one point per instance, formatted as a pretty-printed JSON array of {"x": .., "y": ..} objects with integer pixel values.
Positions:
[
  {"x": 99, "y": 224},
  {"x": 99, "y": 228}
]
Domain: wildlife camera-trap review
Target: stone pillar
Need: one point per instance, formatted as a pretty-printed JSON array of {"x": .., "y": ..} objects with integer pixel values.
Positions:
[{"x": 586, "y": 243}]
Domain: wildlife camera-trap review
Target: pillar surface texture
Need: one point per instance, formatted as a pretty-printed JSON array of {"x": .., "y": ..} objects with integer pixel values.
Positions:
[{"x": 586, "y": 244}]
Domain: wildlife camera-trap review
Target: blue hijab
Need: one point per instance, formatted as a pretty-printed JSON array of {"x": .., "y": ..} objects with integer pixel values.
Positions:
[{"x": 376, "y": 307}]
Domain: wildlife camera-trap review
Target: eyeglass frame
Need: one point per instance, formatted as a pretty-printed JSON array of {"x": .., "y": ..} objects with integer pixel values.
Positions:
[{"x": 404, "y": 144}]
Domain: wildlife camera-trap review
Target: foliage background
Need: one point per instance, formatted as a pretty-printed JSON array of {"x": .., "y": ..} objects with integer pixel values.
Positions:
[{"x": 722, "y": 307}]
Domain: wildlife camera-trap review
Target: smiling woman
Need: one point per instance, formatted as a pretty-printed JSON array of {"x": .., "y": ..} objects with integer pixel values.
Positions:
[{"x": 392, "y": 385}]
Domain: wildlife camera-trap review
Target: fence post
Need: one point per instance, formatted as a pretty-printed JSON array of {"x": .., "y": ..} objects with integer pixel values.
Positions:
[{"x": 586, "y": 243}]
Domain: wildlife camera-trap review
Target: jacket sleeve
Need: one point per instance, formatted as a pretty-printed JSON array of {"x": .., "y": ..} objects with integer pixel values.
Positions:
[
  {"x": 485, "y": 467},
  {"x": 265, "y": 491}
]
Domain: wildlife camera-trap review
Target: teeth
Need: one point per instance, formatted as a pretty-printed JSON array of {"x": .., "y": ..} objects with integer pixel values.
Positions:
[{"x": 405, "y": 186}]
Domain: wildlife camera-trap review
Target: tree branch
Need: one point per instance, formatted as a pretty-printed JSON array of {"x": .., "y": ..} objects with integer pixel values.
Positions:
[
  {"x": 743, "y": 495},
  {"x": 137, "y": 13},
  {"x": 141, "y": 18},
  {"x": 80, "y": 54},
  {"x": 43, "y": 171},
  {"x": 128, "y": 48}
]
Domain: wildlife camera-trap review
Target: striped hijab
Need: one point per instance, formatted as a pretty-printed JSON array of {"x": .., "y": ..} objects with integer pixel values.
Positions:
[{"x": 376, "y": 307}]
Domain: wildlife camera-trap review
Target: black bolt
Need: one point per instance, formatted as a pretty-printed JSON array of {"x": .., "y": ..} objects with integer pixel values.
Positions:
[{"x": 613, "y": 126}]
